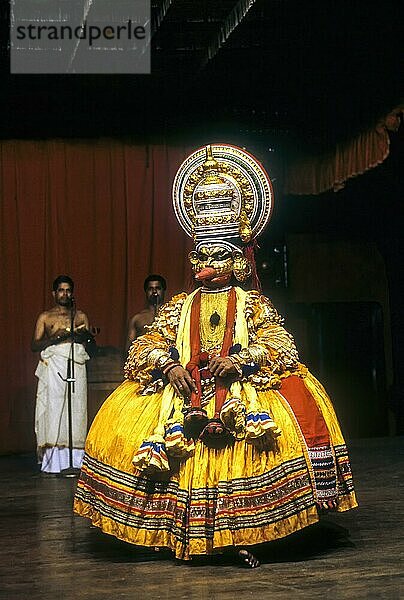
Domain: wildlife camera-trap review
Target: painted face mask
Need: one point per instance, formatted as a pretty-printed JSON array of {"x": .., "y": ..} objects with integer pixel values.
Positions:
[{"x": 217, "y": 264}]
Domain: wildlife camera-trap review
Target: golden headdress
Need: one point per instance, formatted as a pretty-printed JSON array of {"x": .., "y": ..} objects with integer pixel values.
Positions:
[{"x": 222, "y": 195}]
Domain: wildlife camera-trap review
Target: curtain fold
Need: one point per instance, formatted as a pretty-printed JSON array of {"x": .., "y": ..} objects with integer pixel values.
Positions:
[{"x": 317, "y": 174}]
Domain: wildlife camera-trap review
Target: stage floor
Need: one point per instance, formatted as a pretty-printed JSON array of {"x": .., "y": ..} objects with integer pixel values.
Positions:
[{"x": 47, "y": 552}]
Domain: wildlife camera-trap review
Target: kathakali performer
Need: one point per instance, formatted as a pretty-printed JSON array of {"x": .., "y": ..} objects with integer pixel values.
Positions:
[{"x": 219, "y": 437}]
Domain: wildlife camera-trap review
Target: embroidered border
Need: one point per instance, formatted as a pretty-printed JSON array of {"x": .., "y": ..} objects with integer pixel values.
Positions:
[{"x": 141, "y": 503}]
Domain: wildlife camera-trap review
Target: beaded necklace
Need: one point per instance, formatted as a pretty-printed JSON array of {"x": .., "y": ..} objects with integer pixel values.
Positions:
[{"x": 213, "y": 320}]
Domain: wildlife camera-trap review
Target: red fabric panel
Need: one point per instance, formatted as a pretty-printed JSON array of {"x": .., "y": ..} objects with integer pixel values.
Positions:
[
  {"x": 99, "y": 211},
  {"x": 304, "y": 406}
]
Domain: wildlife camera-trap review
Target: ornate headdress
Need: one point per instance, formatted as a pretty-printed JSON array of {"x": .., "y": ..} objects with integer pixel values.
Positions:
[{"x": 223, "y": 196}]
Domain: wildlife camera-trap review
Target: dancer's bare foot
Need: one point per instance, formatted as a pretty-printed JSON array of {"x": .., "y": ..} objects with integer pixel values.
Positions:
[{"x": 248, "y": 559}]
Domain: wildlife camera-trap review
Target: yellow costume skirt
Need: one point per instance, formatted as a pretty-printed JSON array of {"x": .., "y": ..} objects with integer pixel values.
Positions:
[{"x": 234, "y": 496}]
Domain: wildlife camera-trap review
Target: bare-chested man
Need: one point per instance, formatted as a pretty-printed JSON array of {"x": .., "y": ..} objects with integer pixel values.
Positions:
[
  {"x": 154, "y": 287},
  {"x": 52, "y": 338},
  {"x": 53, "y": 326}
]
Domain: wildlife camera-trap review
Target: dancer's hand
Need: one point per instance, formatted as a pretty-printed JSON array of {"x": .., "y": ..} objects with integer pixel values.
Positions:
[
  {"x": 221, "y": 367},
  {"x": 181, "y": 381}
]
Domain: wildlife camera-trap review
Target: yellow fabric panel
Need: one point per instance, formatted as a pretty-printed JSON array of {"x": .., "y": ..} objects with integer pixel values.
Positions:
[
  {"x": 126, "y": 419},
  {"x": 135, "y": 417},
  {"x": 121, "y": 424}
]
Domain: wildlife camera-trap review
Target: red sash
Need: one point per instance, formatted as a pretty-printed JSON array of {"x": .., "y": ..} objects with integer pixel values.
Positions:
[{"x": 198, "y": 358}]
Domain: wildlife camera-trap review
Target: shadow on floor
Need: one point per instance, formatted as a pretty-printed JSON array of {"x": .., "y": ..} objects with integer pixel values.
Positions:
[{"x": 317, "y": 540}]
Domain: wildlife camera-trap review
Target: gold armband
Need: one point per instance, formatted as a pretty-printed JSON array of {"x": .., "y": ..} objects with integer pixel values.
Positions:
[
  {"x": 158, "y": 358},
  {"x": 254, "y": 353}
]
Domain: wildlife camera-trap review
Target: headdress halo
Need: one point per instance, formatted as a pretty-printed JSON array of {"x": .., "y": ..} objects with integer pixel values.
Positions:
[{"x": 221, "y": 193}]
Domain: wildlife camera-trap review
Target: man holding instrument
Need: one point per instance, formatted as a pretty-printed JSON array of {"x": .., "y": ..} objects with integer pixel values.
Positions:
[{"x": 53, "y": 339}]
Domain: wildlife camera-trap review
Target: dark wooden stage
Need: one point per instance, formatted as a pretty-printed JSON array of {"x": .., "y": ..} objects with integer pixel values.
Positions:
[{"x": 46, "y": 552}]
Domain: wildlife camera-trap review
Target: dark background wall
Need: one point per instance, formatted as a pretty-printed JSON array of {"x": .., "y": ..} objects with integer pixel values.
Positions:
[{"x": 343, "y": 300}]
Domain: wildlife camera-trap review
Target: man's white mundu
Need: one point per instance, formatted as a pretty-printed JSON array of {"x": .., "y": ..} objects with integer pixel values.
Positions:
[{"x": 51, "y": 413}]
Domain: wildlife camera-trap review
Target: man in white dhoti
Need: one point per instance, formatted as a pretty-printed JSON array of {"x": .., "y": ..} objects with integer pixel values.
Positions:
[{"x": 52, "y": 338}]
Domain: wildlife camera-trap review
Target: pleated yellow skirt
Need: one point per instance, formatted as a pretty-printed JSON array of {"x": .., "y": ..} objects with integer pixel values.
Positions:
[{"x": 234, "y": 496}]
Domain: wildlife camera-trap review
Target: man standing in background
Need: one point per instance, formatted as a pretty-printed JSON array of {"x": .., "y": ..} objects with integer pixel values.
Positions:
[
  {"x": 154, "y": 287},
  {"x": 57, "y": 346}
]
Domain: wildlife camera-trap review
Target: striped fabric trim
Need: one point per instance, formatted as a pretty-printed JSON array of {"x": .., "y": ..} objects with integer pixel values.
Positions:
[
  {"x": 141, "y": 503},
  {"x": 325, "y": 472},
  {"x": 143, "y": 511},
  {"x": 345, "y": 484}
]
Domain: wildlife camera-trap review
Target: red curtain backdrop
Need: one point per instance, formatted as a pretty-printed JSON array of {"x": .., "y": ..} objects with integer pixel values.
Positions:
[{"x": 99, "y": 211}]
